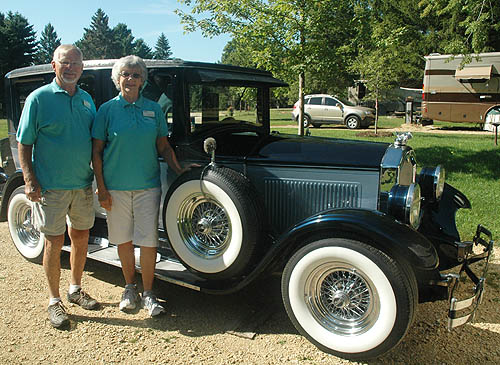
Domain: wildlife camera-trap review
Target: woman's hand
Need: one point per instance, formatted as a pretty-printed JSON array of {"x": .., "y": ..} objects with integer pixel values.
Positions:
[{"x": 187, "y": 168}]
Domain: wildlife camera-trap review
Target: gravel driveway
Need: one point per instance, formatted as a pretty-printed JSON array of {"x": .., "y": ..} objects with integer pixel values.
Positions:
[{"x": 196, "y": 328}]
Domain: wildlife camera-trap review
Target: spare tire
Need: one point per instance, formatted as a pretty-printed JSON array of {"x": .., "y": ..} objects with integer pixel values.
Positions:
[{"x": 214, "y": 232}]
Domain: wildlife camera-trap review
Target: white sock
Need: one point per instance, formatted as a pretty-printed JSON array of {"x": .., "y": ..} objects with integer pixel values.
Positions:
[
  {"x": 53, "y": 301},
  {"x": 73, "y": 288}
]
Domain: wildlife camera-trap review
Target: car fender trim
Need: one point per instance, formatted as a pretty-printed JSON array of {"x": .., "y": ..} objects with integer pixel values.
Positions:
[{"x": 379, "y": 229}]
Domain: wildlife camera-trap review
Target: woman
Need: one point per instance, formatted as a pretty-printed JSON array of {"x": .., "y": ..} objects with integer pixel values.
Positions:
[{"x": 129, "y": 133}]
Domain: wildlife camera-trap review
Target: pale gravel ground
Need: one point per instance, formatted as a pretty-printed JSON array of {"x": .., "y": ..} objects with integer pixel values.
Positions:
[{"x": 194, "y": 329}]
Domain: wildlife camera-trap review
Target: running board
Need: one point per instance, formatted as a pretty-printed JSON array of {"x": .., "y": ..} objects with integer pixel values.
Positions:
[{"x": 167, "y": 268}]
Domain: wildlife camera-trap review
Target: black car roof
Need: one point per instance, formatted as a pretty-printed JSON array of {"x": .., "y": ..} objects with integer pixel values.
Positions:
[{"x": 212, "y": 71}]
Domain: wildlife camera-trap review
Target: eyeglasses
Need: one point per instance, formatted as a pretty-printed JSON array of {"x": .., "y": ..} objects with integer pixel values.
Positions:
[
  {"x": 67, "y": 63},
  {"x": 128, "y": 74}
]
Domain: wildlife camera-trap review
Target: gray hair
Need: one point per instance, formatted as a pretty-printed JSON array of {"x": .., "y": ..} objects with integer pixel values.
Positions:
[
  {"x": 128, "y": 62},
  {"x": 65, "y": 48}
]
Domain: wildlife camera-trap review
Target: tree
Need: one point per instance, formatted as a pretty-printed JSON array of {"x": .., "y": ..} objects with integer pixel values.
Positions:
[
  {"x": 17, "y": 44},
  {"x": 99, "y": 41},
  {"x": 389, "y": 49},
  {"x": 125, "y": 39},
  {"x": 141, "y": 49},
  {"x": 162, "y": 48},
  {"x": 282, "y": 36},
  {"x": 463, "y": 26},
  {"x": 47, "y": 45}
]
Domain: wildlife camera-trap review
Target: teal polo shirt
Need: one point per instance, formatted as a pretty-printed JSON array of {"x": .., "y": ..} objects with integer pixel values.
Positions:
[
  {"x": 59, "y": 128},
  {"x": 130, "y": 130}
]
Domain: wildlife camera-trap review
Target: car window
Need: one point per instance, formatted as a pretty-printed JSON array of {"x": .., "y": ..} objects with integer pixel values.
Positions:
[
  {"x": 331, "y": 102},
  {"x": 87, "y": 83},
  {"x": 211, "y": 105},
  {"x": 159, "y": 88},
  {"x": 22, "y": 87},
  {"x": 315, "y": 101}
]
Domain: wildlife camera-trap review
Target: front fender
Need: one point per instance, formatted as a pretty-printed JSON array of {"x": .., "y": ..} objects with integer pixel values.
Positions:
[
  {"x": 396, "y": 239},
  {"x": 439, "y": 226}
]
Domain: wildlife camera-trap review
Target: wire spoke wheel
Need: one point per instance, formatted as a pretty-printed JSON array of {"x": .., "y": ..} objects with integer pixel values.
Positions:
[
  {"x": 204, "y": 226},
  {"x": 342, "y": 299}
]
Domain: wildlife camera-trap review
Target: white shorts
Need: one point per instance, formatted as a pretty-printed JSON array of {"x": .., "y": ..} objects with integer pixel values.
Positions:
[{"x": 134, "y": 217}]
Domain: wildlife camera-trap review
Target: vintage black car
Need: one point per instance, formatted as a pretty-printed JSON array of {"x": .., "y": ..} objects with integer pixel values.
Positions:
[{"x": 359, "y": 237}]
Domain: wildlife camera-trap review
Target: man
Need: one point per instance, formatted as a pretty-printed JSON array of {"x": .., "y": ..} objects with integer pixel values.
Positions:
[{"x": 55, "y": 147}]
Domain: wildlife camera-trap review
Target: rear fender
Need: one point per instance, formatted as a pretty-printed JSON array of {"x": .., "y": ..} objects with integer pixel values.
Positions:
[{"x": 14, "y": 180}]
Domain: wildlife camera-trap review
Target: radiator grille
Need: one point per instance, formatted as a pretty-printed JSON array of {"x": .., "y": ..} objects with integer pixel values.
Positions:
[{"x": 288, "y": 201}]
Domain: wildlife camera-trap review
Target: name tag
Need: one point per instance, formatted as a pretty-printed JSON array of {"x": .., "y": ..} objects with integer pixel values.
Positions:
[
  {"x": 86, "y": 103},
  {"x": 148, "y": 113}
]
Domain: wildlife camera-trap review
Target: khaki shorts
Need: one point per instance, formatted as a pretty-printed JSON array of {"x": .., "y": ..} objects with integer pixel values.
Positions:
[
  {"x": 134, "y": 217},
  {"x": 60, "y": 207}
]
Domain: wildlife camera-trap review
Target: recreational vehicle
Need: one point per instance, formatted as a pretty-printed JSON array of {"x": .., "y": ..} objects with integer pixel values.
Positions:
[{"x": 456, "y": 91}]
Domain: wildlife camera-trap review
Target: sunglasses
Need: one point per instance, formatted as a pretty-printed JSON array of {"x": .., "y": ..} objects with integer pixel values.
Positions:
[{"x": 128, "y": 74}]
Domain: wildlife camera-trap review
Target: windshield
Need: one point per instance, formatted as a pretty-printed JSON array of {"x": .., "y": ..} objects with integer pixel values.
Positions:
[{"x": 211, "y": 105}]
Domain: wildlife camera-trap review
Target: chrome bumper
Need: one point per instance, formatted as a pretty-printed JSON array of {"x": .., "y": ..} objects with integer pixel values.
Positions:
[{"x": 463, "y": 310}]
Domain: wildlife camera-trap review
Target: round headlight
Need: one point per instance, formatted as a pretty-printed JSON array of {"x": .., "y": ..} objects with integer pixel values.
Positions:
[
  {"x": 439, "y": 178},
  {"x": 413, "y": 206},
  {"x": 431, "y": 181},
  {"x": 404, "y": 204}
]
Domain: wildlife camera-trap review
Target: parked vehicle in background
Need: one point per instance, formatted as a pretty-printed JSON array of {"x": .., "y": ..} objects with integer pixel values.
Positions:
[
  {"x": 468, "y": 93},
  {"x": 394, "y": 102},
  {"x": 325, "y": 109},
  {"x": 357, "y": 235}
]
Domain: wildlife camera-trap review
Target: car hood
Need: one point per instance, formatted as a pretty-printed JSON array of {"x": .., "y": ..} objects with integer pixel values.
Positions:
[
  {"x": 290, "y": 149},
  {"x": 360, "y": 108}
]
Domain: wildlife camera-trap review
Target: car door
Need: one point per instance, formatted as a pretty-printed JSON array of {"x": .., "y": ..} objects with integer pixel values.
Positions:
[
  {"x": 333, "y": 113},
  {"x": 315, "y": 108}
]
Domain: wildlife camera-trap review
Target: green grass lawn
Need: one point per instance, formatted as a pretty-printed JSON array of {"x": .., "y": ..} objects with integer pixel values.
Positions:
[
  {"x": 3, "y": 128},
  {"x": 472, "y": 163}
]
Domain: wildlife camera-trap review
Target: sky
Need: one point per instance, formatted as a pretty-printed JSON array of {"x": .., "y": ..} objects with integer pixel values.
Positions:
[{"x": 147, "y": 19}]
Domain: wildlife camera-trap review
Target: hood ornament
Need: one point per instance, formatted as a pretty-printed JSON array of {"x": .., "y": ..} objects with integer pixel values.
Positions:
[{"x": 402, "y": 138}]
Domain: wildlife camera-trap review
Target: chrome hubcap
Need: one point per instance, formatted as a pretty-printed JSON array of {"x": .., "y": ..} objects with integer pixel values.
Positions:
[
  {"x": 342, "y": 299},
  {"x": 25, "y": 229},
  {"x": 204, "y": 225}
]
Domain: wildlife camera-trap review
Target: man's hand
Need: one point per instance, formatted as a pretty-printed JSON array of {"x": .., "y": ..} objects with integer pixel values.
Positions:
[
  {"x": 104, "y": 198},
  {"x": 33, "y": 191}
]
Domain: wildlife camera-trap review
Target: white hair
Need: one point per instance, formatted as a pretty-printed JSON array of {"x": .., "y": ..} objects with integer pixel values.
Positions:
[
  {"x": 128, "y": 62},
  {"x": 63, "y": 48}
]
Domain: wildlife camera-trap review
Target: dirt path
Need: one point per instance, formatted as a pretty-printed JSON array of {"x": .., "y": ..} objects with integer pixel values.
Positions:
[{"x": 195, "y": 328}]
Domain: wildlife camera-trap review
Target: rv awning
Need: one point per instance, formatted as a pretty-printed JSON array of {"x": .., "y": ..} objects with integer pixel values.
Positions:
[{"x": 480, "y": 73}]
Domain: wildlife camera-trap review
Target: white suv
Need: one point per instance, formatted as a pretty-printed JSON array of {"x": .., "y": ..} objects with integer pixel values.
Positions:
[{"x": 326, "y": 109}]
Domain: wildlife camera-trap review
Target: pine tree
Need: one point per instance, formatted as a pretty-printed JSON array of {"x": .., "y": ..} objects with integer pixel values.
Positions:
[
  {"x": 124, "y": 37},
  {"x": 17, "y": 45},
  {"x": 47, "y": 45},
  {"x": 162, "y": 48},
  {"x": 141, "y": 49},
  {"x": 99, "y": 41}
]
